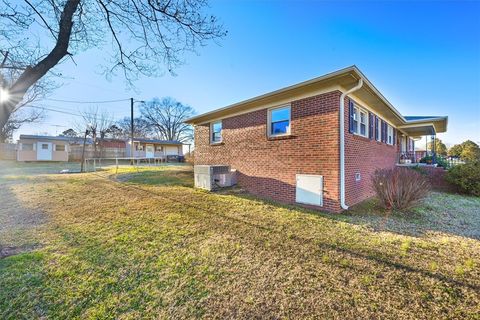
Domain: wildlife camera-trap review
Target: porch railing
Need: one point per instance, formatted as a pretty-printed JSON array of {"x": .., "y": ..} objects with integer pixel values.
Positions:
[
  {"x": 429, "y": 158},
  {"x": 406, "y": 157}
]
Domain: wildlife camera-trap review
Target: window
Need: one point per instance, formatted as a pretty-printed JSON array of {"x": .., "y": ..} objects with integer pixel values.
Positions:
[
  {"x": 389, "y": 134},
  {"x": 27, "y": 146},
  {"x": 216, "y": 132},
  {"x": 44, "y": 146},
  {"x": 363, "y": 123},
  {"x": 59, "y": 147},
  {"x": 355, "y": 120},
  {"x": 279, "y": 121},
  {"x": 378, "y": 129},
  {"x": 360, "y": 121},
  {"x": 159, "y": 148}
]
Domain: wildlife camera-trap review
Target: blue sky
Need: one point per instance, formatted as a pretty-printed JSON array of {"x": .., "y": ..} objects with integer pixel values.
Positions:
[{"x": 423, "y": 56}]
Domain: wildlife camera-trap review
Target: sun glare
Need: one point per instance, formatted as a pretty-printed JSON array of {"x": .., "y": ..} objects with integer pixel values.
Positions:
[{"x": 4, "y": 95}]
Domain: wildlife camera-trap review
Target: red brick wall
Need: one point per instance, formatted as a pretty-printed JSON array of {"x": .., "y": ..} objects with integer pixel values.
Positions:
[
  {"x": 436, "y": 176},
  {"x": 364, "y": 156},
  {"x": 267, "y": 167}
]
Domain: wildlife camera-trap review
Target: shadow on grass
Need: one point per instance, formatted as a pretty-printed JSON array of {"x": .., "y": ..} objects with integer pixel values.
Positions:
[
  {"x": 448, "y": 213},
  {"x": 18, "y": 224},
  {"x": 375, "y": 257},
  {"x": 454, "y": 214},
  {"x": 182, "y": 178},
  {"x": 14, "y": 168},
  {"x": 442, "y": 212}
]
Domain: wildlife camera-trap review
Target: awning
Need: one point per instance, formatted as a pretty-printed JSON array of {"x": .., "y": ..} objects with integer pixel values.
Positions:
[{"x": 417, "y": 126}]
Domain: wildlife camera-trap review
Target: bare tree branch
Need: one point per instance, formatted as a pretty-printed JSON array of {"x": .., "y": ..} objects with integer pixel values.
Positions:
[
  {"x": 146, "y": 35},
  {"x": 17, "y": 120}
]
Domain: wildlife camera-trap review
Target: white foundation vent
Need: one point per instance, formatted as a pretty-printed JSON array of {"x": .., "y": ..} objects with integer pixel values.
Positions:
[{"x": 309, "y": 189}]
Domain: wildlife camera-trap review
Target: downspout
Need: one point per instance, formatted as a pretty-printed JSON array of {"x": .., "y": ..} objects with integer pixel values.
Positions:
[{"x": 342, "y": 142}]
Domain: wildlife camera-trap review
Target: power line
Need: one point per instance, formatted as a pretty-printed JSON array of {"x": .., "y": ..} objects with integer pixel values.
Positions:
[
  {"x": 68, "y": 109},
  {"x": 54, "y": 110},
  {"x": 82, "y": 114},
  {"x": 91, "y": 115},
  {"x": 52, "y": 124},
  {"x": 80, "y": 102}
]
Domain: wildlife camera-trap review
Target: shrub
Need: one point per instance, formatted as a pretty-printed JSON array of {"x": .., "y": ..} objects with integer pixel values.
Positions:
[
  {"x": 466, "y": 177},
  {"x": 441, "y": 162},
  {"x": 400, "y": 188},
  {"x": 427, "y": 159},
  {"x": 419, "y": 169}
]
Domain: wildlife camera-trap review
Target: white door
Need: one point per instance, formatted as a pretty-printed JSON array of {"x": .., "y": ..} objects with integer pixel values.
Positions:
[
  {"x": 149, "y": 151},
  {"x": 44, "y": 151}
]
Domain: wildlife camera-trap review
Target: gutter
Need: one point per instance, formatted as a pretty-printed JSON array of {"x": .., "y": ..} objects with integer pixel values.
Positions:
[{"x": 342, "y": 142}]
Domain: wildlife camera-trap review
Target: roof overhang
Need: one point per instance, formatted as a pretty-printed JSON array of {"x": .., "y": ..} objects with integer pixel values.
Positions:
[
  {"x": 341, "y": 80},
  {"x": 43, "y": 138},
  {"x": 162, "y": 142},
  {"x": 425, "y": 126}
]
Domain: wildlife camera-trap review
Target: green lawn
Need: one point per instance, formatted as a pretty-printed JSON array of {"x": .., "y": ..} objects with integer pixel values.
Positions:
[{"x": 145, "y": 244}]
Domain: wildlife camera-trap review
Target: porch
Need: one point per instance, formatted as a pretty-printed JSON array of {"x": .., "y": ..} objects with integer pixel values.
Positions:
[
  {"x": 165, "y": 151},
  {"x": 420, "y": 128}
]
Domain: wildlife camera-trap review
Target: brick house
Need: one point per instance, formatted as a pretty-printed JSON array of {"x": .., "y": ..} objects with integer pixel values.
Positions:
[{"x": 314, "y": 143}]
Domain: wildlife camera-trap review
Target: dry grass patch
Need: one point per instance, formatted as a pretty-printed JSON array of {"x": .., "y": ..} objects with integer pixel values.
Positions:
[{"x": 119, "y": 249}]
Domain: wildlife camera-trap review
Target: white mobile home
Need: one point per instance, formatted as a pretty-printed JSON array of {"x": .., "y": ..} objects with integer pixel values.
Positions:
[{"x": 42, "y": 148}]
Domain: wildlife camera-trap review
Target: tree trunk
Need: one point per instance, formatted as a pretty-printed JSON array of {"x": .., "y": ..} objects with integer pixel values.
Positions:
[{"x": 34, "y": 73}]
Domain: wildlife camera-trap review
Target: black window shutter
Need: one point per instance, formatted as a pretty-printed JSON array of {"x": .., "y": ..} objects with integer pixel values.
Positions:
[
  {"x": 383, "y": 132},
  {"x": 370, "y": 124},
  {"x": 386, "y": 132},
  {"x": 350, "y": 116},
  {"x": 376, "y": 128}
]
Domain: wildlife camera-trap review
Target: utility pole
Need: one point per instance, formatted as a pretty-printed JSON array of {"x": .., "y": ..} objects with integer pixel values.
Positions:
[
  {"x": 131, "y": 128},
  {"x": 83, "y": 150}
]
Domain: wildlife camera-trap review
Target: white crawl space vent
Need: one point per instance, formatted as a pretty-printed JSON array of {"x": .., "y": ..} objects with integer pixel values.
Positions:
[
  {"x": 211, "y": 177},
  {"x": 309, "y": 189}
]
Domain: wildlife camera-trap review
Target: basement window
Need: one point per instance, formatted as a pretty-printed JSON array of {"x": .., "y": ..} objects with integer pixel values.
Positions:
[
  {"x": 279, "y": 121},
  {"x": 216, "y": 132}
]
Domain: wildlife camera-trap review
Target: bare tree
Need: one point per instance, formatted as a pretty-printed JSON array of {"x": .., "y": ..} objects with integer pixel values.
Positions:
[
  {"x": 167, "y": 117},
  {"x": 141, "y": 128},
  {"x": 144, "y": 36},
  {"x": 97, "y": 123}
]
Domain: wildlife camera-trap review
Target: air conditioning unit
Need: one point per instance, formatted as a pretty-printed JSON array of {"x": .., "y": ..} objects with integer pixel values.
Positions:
[{"x": 211, "y": 177}]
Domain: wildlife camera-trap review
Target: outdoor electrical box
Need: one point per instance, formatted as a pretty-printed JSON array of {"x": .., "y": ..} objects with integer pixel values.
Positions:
[{"x": 211, "y": 177}]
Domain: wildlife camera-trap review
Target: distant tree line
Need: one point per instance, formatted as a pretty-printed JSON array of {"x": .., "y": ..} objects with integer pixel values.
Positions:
[{"x": 467, "y": 150}]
